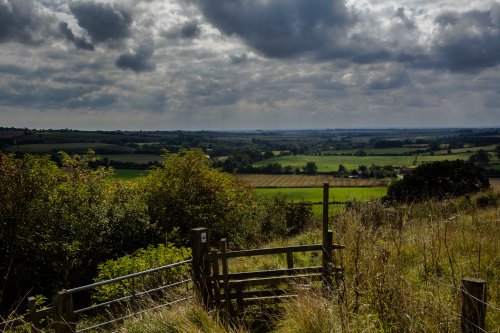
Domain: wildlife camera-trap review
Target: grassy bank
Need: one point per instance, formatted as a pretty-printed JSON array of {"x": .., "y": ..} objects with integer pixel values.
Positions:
[{"x": 403, "y": 267}]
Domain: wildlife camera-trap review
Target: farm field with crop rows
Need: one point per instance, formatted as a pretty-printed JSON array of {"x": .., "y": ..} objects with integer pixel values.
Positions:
[{"x": 261, "y": 180}]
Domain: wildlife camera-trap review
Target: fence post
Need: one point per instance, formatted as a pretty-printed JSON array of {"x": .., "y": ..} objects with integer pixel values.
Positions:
[
  {"x": 328, "y": 261},
  {"x": 63, "y": 313},
  {"x": 225, "y": 273},
  {"x": 327, "y": 240},
  {"x": 473, "y": 295},
  {"x": 201, "y": 264},
  {"x": 34, "y": 318},
  {"x": 326, "y": 192}
]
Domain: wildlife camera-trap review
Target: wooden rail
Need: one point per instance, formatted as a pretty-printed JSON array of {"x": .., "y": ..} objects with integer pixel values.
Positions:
[{"x": 218, "y": 287}]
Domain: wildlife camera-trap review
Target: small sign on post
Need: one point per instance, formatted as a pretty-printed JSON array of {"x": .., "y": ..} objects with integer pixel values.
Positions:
[{"x": 201, "y": 265}]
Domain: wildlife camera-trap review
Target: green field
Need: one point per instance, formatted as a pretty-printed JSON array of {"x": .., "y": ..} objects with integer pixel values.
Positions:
[
  {"x": 129, "y": 173},
  {"x": 390, "y": 151},
  {"x": 331, "y": 163},
  {"x": 341, "y": 194},
  {"x": 316, "y": 194},
  {"x": 133, "y": 158}
]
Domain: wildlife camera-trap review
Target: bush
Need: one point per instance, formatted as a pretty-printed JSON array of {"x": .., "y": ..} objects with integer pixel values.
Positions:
[
  {"x": 439, "y": 180},
  {"x": 186, "y": 192},
  {"x": 57, "y": 224},
  {"x": 141, "y": 260}
]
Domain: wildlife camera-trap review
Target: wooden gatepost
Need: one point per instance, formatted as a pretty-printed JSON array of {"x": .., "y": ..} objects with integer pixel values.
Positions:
[{"x": 217, "y": 287}]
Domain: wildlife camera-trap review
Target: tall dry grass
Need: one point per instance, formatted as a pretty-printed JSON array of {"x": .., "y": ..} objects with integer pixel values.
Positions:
[{"x": 403, "y": 267}]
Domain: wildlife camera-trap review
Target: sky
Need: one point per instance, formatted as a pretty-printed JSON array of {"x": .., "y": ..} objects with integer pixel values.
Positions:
[{"x": 249, "y": 64}]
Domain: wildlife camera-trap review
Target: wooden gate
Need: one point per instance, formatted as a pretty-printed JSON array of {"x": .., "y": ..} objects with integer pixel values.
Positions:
[{"x": 219, "y": 288}]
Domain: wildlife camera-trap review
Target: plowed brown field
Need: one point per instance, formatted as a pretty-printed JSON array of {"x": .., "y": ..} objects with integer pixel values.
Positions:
[{"x": 259, "y": 180}]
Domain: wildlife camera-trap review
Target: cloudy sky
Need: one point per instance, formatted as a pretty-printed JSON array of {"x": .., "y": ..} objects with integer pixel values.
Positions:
[{"x": 249, "y": 64}]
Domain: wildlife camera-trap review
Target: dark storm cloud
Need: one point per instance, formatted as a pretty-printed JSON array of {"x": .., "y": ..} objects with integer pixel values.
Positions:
[
  {"x": 388, "y": 79},
  {"x": 468, "y": 41},
  {"x": 34, "y": 94},
  {"x": 20, "y": 21},
  {"x": 139, "y": 61},
  {"x": 103, "y": 21},
  {"x": 79, "y": 42},
  {"x": 408, "y": 23},
  {"x": 278, "y": 28},
  {"x": 188, "y": 30}
]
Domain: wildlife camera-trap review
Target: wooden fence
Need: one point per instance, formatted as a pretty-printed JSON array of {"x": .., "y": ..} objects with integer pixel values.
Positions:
[{"x": 218, "y": 287}]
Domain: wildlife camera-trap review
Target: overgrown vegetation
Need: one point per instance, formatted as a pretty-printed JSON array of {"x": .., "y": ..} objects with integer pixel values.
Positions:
[
  {"x": 403, "y": 267},
  {"x": 439, "y": 180},
  {"x": 58, "y": 223}
]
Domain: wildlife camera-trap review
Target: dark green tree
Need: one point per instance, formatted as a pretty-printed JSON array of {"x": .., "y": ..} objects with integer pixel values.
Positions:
[
  {"x": 311, "y": 168},
  {"x": 439, "y": 180},
  {"x": 187, "y": 192},
  {"x": 480, "y": 157}
]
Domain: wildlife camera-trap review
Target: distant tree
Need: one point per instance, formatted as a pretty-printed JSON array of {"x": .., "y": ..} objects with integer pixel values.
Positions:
[
  {"x": 481, "y": 157},
  {"x": 360, "y": 152},
  {"x": 497, "y": 151},
  {"x": 342, "y": 169},
  {"x": 439, "y": 180},
  {"x": 311, "y": 168}
]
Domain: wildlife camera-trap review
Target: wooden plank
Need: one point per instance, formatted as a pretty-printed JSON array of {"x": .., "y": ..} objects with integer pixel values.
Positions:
[
  {"x": 275, "y": 250},
  {"x": 259, "y": 293},
  {"x": 271, "y": 273},
  {"x": 271, "y": 299},
  {"x": 278, "y": 272},
  {"x": 275, "y": 280}
]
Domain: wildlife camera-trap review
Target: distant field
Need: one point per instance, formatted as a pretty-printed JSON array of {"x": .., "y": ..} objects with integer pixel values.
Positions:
[
  {"x": 260, "y": 180},
  {"x": 395, "y": 151},
  {"x": 133, "y": 158},
  {"x": 67, "y": 147},
  {"x": 495, "y": 184},
  {"x": 129, "y": 173},
  {"x": 331, "y": 163},
  {"x": 316, "y": 194},
  {"x": 465, "y": 150}
]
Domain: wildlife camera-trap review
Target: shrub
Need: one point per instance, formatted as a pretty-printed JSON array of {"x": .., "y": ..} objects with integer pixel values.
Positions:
[
  {"x": 141, "y": 260},
  {"x": 439, "y": 180},
  {"x": 186, "y": 192}
]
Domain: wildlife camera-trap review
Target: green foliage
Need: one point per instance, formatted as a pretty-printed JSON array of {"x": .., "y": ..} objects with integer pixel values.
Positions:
[
  {"x": 439, "y": 180},
  {"x": 186, "y": 192},
  {"x": 141, "y": 260},
  {"x": 56, "y": 224},
  {"x": 480, "y": 157},
  {"x": 311, "y": 168},
  {"x": 280, "y": 218}
]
